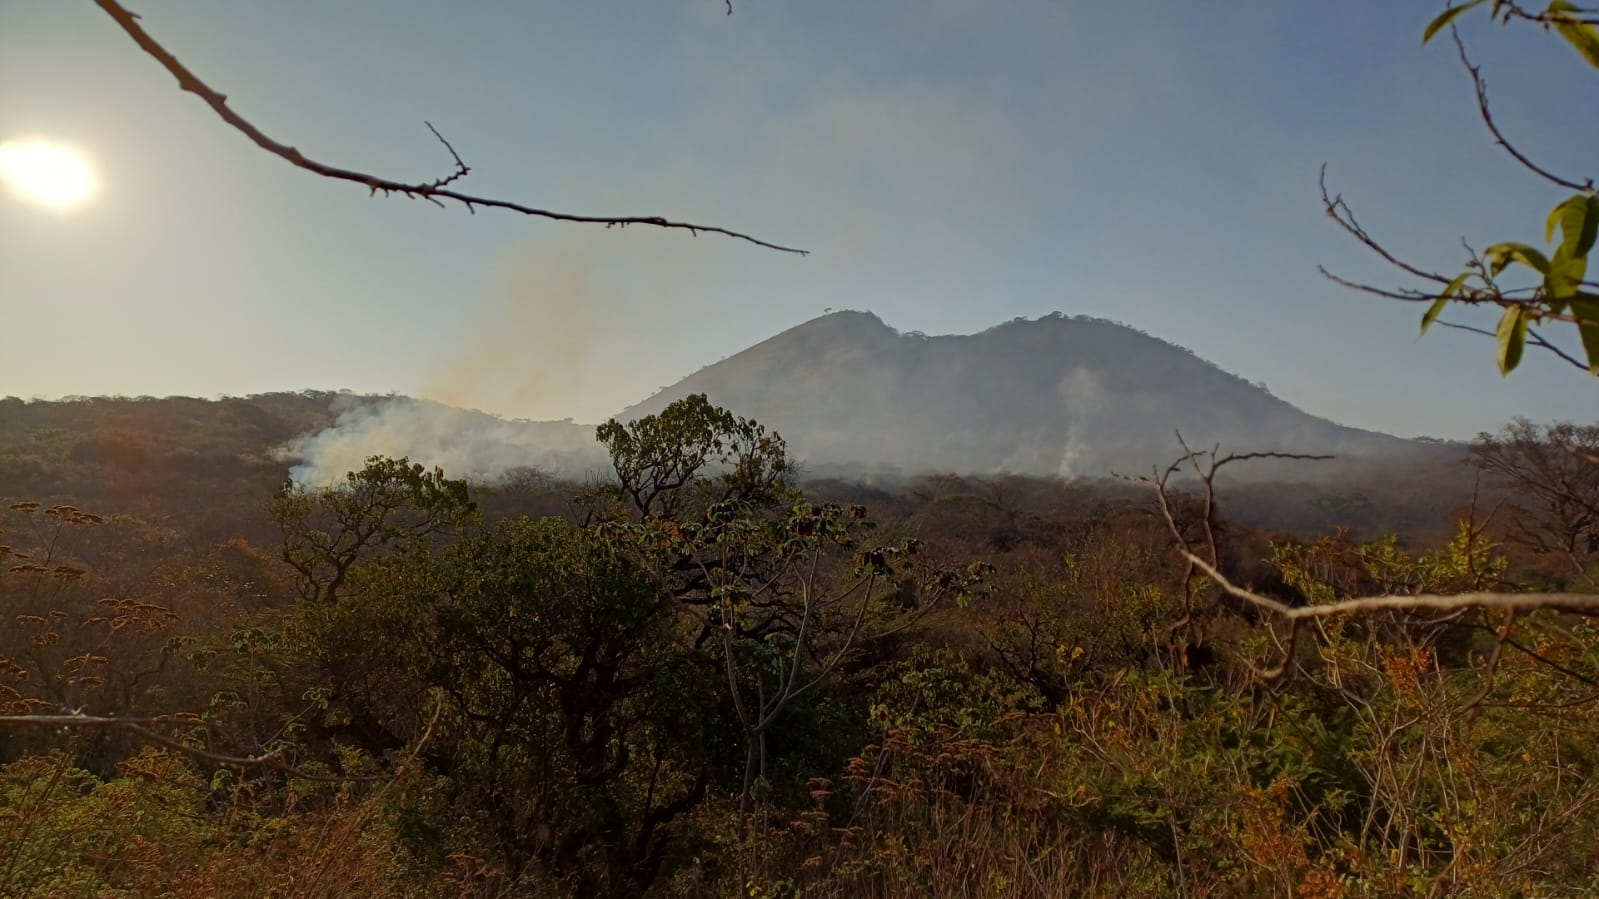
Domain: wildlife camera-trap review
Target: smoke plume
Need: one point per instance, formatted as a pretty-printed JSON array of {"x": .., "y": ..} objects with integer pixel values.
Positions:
[{"x": 465, "y": 443}]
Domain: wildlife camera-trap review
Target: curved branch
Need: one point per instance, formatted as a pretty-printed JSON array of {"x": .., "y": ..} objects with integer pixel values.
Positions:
[
  {"x": 1581, "y": 603},
  {"x": 1533, "y": 337},
  {"x": 1487, "y": 119},
  {"x": 137, "y": 726},
  {"x": 433, "y": 191},
  {"x": 1339, "y": 211}
]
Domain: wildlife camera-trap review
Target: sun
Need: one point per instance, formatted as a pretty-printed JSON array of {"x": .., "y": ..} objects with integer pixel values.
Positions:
[{"x": 47, "y": 173}]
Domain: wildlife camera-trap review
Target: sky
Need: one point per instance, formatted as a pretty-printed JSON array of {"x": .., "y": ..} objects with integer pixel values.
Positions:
[{"x": 950, "y": 164}]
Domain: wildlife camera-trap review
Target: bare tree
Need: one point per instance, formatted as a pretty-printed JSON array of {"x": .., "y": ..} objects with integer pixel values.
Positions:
[{"x": 1552, "y": 471}]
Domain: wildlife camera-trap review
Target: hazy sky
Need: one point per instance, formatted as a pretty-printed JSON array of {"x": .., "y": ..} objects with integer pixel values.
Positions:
[{"x": 952, "y": 164}]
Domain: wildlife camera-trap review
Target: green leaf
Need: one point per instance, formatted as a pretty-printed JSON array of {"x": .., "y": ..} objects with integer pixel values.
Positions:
[
  {"x": 1444, "y": 18},
  {"x": 1433, "y": 312},
  {"x": 1588, "y": 310},
  {"x": 1502, "y": 254},
  {"x": 1578, "y": 218},
  {"x": 1588, "y": 232},
  {"x": 1512, "y": 339},
  {"x": 1564, "y": 277},
  {"x": 1555, "y": 215},
  {"x": 1438, "y": 305},
  {"x": 1590, "y": 345},
  {"x": 1582, "y": 36}
]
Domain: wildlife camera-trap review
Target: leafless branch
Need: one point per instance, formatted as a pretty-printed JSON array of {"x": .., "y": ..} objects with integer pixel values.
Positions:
[
  {"x": 1491, "y": 667},
  {"x": 1581, "y": 603},
  {"x": 1206, "y": 470},
  {"x": 1339, "y": 211},
  {"x": 1404, "y": 294},
  {"x": 1539, "y": 658},
  {"x": 434, "y": 191},
  {"x": 1201, "y": 558},
  {"x": 1487, "y": 119},
  {"x": 1469, "y": 296},
  {"x": 1533, "y": 337},
  {"x": 1513, "y": 10},
  {"x": 140, "y": 727},
  {"x": 1579, "y": 452}
]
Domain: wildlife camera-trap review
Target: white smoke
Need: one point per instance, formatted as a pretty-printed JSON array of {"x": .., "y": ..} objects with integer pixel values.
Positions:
[
  {"x": 466, "y": 444},
  {"x": 1082, "y": 395}
]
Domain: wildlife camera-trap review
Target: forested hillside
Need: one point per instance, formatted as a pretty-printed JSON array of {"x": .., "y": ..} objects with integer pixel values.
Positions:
[
  {"x": 706, "y": 677},
  {"x": 1054, "y": 609}
]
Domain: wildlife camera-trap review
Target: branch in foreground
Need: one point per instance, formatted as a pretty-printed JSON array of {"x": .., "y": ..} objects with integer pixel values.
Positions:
[
  {"x": 1533, "y": 337},
  {"x": 1339, "y": 211},
  {"x": 1487, "y": 119},
  {"x": 433, "y": 191},
  {"x": 1581, "y": 603},
  {"x": 1492, "y": 295},
  {"x": 1547, "y": 18},
  {"x": 1214, "y": 462},
  {"x": 138, "y": 727}
]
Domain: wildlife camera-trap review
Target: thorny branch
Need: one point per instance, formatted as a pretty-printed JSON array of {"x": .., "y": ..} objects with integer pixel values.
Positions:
[{"x": 433, "y": 191}]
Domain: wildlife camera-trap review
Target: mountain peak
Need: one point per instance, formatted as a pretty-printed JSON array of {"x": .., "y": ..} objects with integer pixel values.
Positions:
[
  {"x": 1057, "y": 395},
  {"x": 843, "y": 322}
]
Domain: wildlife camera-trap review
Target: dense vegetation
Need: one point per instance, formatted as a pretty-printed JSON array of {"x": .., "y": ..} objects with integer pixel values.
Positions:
[{"x": 705, "y": 677}]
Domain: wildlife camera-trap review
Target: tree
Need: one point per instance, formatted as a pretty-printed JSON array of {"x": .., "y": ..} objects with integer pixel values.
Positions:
[
  {"x": 778, "y": 592},
  {"x": 331, "y": 537},
  {"x": 578, "y": 725},
  {"x": 1553, "y": 472},
  {"x": 573, "y": 722},
  {"x": 1559, "y": 291},
  {"x": 388, "y": 504},
  {"x": 695, "y": 453}
]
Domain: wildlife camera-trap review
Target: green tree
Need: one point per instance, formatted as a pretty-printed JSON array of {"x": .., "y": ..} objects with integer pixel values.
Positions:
[
  {"x": 580, "y": 726},
  {"x": 331, "y": 538},
  {"x": 691, "y": 455},
  {"x": 781, "y": 593}
]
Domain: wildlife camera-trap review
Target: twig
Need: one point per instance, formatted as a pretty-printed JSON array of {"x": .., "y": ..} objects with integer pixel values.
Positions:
[
  {"x": 433, "y": 191},
  {"x": 1339, "y": 211},
  {"x": 1207, "y": 475},
  {"x": 1491, "y": 667},
  {"x": 138, "y": 727},
  {"x": 1509, "y": 10},
  {"x": 1533, "y": 337},
  {"x": 1487, "y": 119}
]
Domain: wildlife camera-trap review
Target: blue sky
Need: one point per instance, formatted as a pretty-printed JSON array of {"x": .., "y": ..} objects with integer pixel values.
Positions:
[{"x": 952, "y": 164}]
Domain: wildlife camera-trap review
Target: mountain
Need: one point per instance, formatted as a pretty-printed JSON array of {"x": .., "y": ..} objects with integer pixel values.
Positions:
[
  {"x": 1068, "y": 396},
  {"x": 1056, "y": 396}
]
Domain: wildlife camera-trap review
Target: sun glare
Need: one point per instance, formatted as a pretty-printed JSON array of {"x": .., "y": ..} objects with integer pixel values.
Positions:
[{"x": 47, "y": 173}]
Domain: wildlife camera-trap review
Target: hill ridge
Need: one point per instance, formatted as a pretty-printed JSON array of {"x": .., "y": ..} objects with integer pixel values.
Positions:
[{"x": 1063, "y": 395}]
